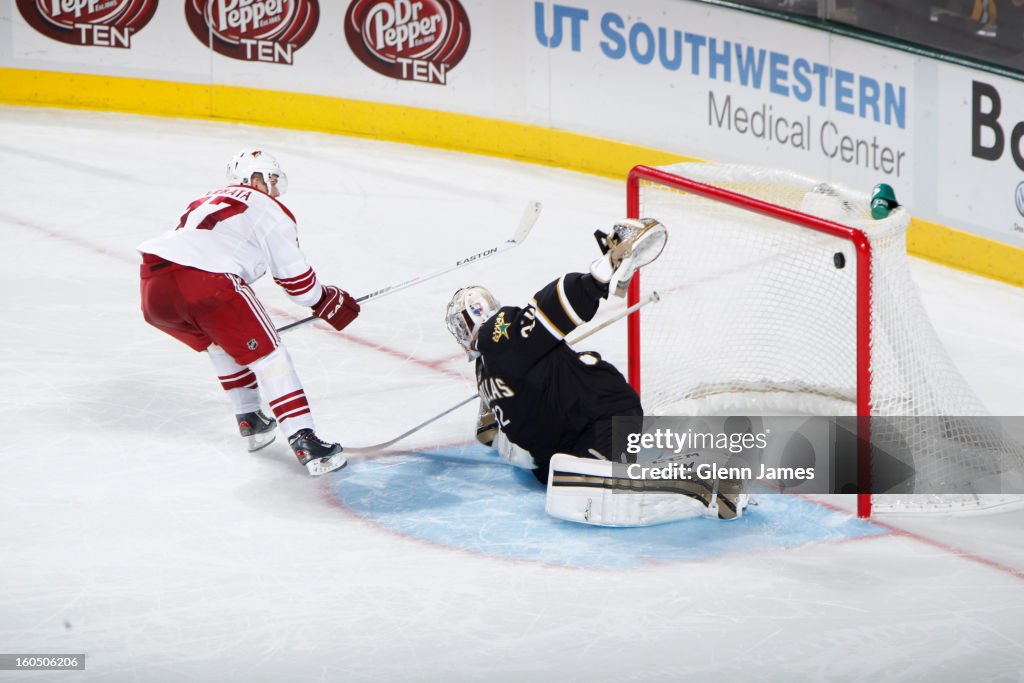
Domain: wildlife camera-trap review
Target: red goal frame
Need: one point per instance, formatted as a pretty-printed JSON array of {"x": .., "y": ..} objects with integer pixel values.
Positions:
[{"x": 856, "y": 237}]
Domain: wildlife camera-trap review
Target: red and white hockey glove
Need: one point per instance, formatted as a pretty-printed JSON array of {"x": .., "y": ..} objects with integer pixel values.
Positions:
[{"x": 337, "y": 307}]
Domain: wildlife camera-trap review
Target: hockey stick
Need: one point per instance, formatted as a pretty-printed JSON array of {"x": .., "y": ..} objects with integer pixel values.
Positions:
[
  {"x": 530, "y": 215},
  {"x": 363, "y": 450},
  {"x": 653, "y": 297}
]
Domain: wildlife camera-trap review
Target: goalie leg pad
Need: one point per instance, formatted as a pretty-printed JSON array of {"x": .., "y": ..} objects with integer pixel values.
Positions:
[{"x": 587, "y": 491}]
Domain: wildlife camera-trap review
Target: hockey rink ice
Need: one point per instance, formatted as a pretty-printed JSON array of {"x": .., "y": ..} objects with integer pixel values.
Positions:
[{"x": 136, "y": 529}]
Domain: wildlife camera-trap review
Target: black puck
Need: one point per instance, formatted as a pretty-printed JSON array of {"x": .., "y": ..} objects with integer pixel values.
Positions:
[{"x": 839, "y": 259}]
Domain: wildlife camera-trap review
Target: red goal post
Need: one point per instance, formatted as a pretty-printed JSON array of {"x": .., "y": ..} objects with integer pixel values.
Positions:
[
  {"x": 856, "y": 237},
  {"x": 761, "y": 313}
]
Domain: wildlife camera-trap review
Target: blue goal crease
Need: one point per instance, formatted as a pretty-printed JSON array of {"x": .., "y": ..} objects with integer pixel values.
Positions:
[{"x": 465, "y": 497}]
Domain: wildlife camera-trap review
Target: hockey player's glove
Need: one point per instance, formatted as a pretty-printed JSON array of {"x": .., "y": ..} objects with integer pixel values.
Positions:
[{"x": 337, "y": 307}]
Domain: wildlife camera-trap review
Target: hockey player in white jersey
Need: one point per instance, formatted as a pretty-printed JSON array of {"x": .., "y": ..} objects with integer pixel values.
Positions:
[{"x": 195, "y": 287}]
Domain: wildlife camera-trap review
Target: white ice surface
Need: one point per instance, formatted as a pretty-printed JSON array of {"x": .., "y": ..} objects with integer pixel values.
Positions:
[{"x": 134, "y": 526}]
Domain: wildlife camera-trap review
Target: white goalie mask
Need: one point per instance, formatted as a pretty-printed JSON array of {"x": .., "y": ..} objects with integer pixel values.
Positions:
[
  {"x": 469, "y": 308},
  {"x": 250, "y": 161}
]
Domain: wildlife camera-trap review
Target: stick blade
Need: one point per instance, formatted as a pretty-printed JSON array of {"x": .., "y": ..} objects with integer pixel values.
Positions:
[{"x": 530, "y": 215}]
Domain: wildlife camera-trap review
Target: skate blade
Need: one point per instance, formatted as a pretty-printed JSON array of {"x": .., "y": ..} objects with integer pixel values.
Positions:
[
  {"x": 318, "y": 468},
  {"x": 258, "y": 441}
]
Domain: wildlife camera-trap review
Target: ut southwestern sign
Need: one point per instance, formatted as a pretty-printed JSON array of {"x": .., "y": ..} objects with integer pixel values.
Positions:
[{"x": 718, "y": 59}]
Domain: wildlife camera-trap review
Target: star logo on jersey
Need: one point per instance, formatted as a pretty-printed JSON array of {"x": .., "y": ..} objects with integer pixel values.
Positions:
[{"x": 500, "y": 328}]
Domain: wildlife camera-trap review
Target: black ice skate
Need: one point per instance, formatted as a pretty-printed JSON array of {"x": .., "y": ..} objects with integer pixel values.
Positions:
[
  {"x": 257, "y": 428},
  {"x": 317, "y": 456}
]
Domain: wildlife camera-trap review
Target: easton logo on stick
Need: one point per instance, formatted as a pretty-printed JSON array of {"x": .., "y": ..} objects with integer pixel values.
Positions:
[
  {"x": 474, "y": 257},
  {"x": 254, "y": 30},
  {"x": 101, "y": 23},
  {"x": 409, "y": 40}
]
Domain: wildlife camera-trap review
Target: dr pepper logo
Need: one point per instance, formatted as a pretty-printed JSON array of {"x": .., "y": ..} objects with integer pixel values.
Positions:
[
  {"x": 254, "y": 30},
  {"x": 104, "y": 23},
  {"x": 412, "y": 40}
]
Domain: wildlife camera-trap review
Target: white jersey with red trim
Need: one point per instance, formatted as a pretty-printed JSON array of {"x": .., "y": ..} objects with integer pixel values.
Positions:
[{"x": 243, "y": 231}]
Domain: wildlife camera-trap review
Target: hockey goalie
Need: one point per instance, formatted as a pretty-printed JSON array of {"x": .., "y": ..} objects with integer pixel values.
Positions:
[{"x": 549, "y": 409}]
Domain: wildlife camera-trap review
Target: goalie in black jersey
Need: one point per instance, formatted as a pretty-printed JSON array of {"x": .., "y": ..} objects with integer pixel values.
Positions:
[
  {"x": 549, "y": 409},
  {"x": 538, "y": 396}
]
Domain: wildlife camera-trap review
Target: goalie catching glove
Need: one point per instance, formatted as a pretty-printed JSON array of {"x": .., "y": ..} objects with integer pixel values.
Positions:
[
  {"x": 337, "y": 307},
  {"x": 631, "y": 245}
]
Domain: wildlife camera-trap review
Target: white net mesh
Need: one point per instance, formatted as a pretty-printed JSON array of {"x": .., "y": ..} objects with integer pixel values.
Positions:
[{"x": 759, "y": 316}]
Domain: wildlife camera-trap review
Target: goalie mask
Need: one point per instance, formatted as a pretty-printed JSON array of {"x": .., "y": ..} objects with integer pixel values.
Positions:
[
  {"x": 469, "y": 308},
  {"x": 250, "y": 161}
]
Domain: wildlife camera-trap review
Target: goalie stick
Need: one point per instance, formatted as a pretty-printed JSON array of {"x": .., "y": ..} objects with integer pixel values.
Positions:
[
  {"x": 365, "y": 450},
  {"x": 530, "y": 214}
]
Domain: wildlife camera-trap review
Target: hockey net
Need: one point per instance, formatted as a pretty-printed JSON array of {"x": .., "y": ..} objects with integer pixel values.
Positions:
[{"x": 782, "y": 296}]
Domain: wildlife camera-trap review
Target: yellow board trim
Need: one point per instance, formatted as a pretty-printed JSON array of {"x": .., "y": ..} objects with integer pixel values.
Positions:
[
  {"x": 460, "y": 132},
  {"x": 964, "y": 251},
  {"x": 446, "y": 130}
]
